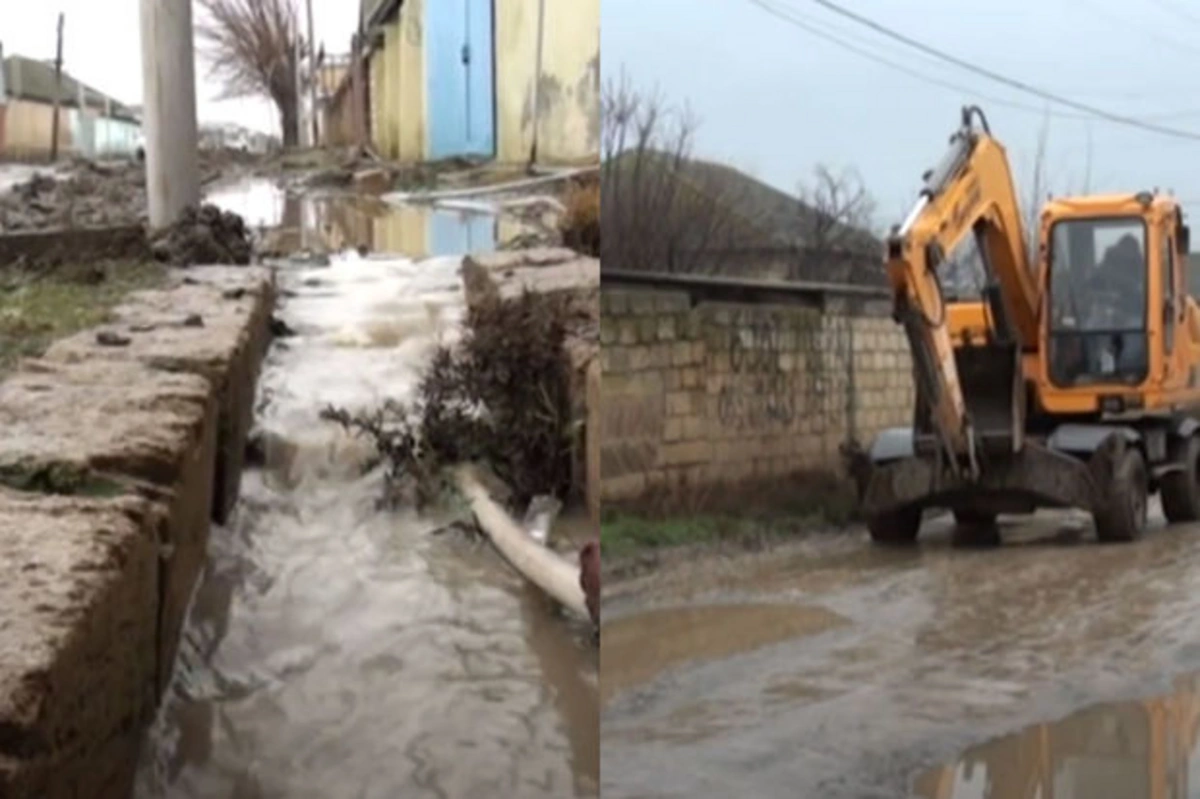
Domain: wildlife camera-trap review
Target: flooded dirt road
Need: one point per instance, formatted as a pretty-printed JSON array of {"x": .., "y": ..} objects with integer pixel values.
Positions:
[
  {"x": 336, "y": 650},
  {"x": 831, "y": 668}
]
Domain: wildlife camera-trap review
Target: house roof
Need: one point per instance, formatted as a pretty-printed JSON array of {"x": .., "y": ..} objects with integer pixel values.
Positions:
[
  {"x": 376, "y": 12},
  {"x": 30, "y": 79}
]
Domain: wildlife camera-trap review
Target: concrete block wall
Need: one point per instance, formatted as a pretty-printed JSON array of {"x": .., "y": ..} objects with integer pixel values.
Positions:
[{"x": 725, "y": 392}]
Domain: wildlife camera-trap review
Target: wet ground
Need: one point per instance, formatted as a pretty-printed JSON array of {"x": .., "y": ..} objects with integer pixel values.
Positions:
[
  {"x": 1052, "y": 666},
  {"x": 337, "y": 650}
]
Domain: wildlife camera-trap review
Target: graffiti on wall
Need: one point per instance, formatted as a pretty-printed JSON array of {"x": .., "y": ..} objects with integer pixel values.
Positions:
[{"x": 759, "y": 393}]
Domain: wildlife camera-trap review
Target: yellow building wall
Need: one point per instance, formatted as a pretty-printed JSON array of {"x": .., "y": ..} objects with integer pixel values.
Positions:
[
  {"x": 411, "y": 83},
  {"x": 28, "y": 125},
  {"x": 380, "y": 132},
  {"x": 569, "y": 123},
  {"x": 398, "y": 87}
]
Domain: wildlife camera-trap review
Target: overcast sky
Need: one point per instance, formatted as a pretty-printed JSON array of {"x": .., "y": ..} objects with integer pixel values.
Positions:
[
  {"x": 775, "y": 100},
  {"x": 101, "y": 47}
]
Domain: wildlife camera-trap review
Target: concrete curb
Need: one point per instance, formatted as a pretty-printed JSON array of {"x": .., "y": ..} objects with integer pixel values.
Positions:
[{"x": 118, "y": 452}]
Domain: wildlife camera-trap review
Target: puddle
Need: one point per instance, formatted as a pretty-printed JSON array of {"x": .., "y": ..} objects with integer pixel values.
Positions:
[
  {"x": 338, "y": 222},
  {"x": 336, "y": 650},
  {"x": 638, "y": 647},
  {"x": 1142, "y": 748}
]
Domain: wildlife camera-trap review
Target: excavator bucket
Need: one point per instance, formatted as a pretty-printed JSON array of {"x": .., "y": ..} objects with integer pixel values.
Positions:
[{"x": 994, "y": 390}]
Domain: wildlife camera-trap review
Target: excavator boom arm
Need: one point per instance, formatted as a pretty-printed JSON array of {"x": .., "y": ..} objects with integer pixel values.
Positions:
[{"x": 970, "y": 192}]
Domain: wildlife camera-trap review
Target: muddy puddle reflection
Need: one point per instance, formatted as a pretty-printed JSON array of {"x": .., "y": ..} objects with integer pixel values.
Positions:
[
  {"x": 335, "y": 222},
  {"x": 1141, "y": 748},
  {"x": 334, "y": 650}
]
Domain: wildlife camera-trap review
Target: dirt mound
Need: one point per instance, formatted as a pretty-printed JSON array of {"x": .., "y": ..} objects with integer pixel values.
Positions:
[
  {"x": 204, "y": 235},
  {"x": 88, "y": 195},
  {"x": 84, "y": 193}
]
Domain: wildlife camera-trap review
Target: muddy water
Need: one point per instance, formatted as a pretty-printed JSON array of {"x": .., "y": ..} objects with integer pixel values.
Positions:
[
  {"x": 340, "y": 221},
  {"x": 1139, "y": 748},
  {"x": 934, "y": 651},
  {"x": 335, "y": 650}
]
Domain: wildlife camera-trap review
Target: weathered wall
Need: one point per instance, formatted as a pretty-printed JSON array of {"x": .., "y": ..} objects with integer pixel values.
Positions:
[
  {"x": 114, "y": 461},
  {"x": 337, "y": 122},
  {"x": 28, "y": 126},
  {"x": 376, "y": 100},
  {"x": 731, "y": 392},
  {"x": 412, "y": 102},
  {"x": 398, "y": 87},
  {"x": 569, "y": 122}
]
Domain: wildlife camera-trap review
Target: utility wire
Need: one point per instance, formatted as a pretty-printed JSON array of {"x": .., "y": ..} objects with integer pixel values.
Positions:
[
  {"x": 1184, "y": 47},
  {"x": 813, "y": 28},
  {"x": 822, "y": 34},
  {"x": 1120, "y": 119},
  {"x": 1175, "y": 9}
]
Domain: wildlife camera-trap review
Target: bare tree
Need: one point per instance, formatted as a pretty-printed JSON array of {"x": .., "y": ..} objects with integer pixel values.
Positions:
[
  {"x": 252, "y": 49},
  {"x": 836, "y": 212},
  {"x": 1038, "y": 189},
  {"x": 659, "y": 211},
  {"x": 835, "y": 220}
]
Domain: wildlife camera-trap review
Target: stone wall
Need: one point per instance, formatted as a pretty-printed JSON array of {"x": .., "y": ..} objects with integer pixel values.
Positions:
[
  {"x": 727, "y": 392},
  {"x": 119, "y": 450}
]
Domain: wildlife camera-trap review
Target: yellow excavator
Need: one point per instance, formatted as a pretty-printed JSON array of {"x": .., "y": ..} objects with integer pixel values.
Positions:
[{"x": 1066, "y": 377}]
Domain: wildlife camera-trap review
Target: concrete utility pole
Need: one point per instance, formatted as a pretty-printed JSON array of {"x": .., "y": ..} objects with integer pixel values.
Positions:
[
  {"x": 169, "y": 116},
  {"x": 312, "y": 76},
  {"x": 57, "y": 90}
]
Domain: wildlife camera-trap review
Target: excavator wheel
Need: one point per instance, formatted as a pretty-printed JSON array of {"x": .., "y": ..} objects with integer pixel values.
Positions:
[
  {"x": 1121, "y": 514},
  {"x": 1181, "y": 489},
  {"x": 896, "y": 528}
]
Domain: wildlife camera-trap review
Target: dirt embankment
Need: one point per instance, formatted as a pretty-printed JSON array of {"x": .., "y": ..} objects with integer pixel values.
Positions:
[
  {"x": 92, "y": 212},
  {"x": 121, "y": 444},
  {"x": 86, "y": 194}
]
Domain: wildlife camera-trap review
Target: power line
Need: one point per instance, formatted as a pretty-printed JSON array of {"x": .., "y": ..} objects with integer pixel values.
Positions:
[
  {"x": 1119, "y": 119},
  {"x": 1153, "y": 34},
  {"x": 821, "y": 34},
  {"x": 1173, "y": 8},
  {"x": 812, "y": 27}
]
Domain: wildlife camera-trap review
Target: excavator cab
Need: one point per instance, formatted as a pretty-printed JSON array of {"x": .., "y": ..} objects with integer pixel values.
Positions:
[{"x": 1113, "y": 271}]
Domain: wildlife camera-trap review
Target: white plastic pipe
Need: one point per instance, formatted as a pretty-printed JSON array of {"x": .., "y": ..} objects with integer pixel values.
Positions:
[{"x": 541, "y": 566}]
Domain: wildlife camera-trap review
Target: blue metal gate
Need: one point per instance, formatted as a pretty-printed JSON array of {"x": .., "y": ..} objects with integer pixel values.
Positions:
[{"x": 461, "y": 86}]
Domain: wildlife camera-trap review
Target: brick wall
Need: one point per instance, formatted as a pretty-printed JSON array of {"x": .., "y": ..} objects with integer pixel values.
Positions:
[{"x": 728, "y": 392}]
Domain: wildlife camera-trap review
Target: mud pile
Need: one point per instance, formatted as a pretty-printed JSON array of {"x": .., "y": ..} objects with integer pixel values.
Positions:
[
  {"x": 88, "y": 195},
  {"x": 85, "y": 193},
  {"x": 204, "y": 235}
]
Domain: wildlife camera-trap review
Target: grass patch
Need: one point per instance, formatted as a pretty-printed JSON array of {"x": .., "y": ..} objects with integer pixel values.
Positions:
[
  {"x": 57, "y": 478},
  {"x": 626, "y": 534},
  {"x": 717, "y": 515},
  {"x": 37, "y": 309}
]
